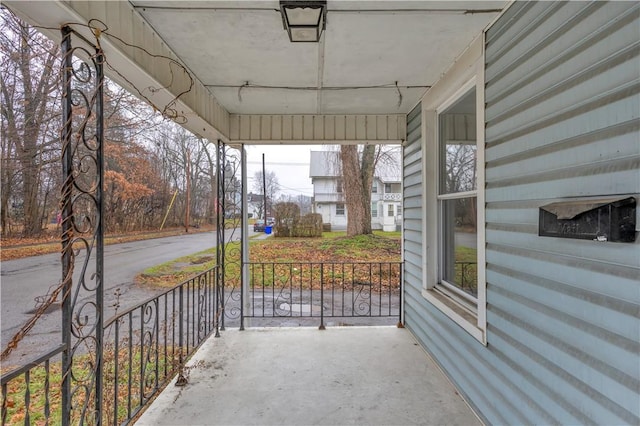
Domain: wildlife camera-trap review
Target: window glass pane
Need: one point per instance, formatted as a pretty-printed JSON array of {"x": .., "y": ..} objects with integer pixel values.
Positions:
[
  {"x": 374, "y": 209},
  {"x": 339, "y": 209},
  {"x": 457, "y": 128},
  {"x": 390, "y": 210},
  {"x": 459, "y": 244}
]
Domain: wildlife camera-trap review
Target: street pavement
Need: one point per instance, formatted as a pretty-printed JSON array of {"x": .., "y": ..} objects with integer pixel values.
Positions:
[{"x": 23, "y": 281}]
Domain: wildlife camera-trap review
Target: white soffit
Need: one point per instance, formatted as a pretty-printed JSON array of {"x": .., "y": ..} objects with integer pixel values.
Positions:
[{"x": 229, "y": 44}]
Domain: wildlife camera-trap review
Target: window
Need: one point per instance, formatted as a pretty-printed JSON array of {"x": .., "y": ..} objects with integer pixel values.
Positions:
[
  {"x": 339, "y": 185},
  {"x": 454, "y": 215},
  {"x": 457, "y": 199},
  {"x": 374, "y": 209},
  {"x": 340, "y": 209},
  {"x": 374, "y": 188},
  {"x": 387, "y": 188},
  {"x": 390, "y": 210}
]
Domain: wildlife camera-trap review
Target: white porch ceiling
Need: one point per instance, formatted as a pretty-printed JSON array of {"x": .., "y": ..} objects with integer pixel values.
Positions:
[
  {"x": 241, "y": 62},
  {"x": 241, "y": 53}
]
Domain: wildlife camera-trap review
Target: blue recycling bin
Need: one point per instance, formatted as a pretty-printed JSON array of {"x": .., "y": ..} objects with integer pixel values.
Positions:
[{"x": 267, "y": 230}]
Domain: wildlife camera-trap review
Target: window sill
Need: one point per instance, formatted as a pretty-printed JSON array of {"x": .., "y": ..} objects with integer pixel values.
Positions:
[{"x": 456, "y": 312}]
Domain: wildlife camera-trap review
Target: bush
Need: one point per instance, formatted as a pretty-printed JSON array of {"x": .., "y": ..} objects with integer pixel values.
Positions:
[
  {"x": 310, "y": 225},
  {"x": 290, "y": 224}
]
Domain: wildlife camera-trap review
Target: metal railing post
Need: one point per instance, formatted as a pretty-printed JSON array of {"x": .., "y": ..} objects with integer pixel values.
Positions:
[
  {"x": 67, "y": 232},
  {"x": 180, "y": 323},
  {"x": 400, "y": 291},
  {"x": 322, "y": 327}
]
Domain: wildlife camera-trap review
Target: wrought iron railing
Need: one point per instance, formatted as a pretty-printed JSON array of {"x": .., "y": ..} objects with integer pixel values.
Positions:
[
  {"x": 467, "y": 276},
  {"x": 324, "y": 290},
  {"x": 144, "y": 347},
  {"x": 147, "y": 345},
  {"x": 27, "y": 394}
]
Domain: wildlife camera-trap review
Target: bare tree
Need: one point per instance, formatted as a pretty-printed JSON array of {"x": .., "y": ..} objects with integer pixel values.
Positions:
[
  {"x": 272, "y": 187},
  {"x": 29, "y": 85},
  {"x": 358, "y": 165}
]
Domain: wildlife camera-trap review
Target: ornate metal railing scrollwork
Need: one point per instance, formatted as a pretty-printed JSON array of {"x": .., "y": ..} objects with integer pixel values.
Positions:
[
  {"x": 356, "y": 290},
  {"x": 82, "y": 219},
  {"x": 229, "y": 247}
]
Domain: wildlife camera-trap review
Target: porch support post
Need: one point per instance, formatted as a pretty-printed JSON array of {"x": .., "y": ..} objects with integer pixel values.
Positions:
[
  {"x": 67, "y": 232},
  {"x": 219, "y": 240},
  {"x": 244, "y": 241},
  {"x": 82, "y": 140}
]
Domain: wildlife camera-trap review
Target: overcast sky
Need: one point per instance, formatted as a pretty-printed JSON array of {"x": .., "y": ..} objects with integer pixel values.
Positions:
[{"x": 289, "y": 162}]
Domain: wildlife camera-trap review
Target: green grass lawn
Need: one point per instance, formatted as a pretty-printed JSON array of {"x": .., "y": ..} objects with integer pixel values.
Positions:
[{"x": 332, "y": 247}]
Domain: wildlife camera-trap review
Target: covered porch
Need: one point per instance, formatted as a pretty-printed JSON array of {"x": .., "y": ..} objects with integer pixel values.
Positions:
[
  {"x": 539, "y": 102},
  {"x": 295, "y": 376}
]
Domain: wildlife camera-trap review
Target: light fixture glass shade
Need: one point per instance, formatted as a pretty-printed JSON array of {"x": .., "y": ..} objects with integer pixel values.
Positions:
[
  {"x": 303, "y": 16},
  {"x": 309, "y": 34},
  {"x": 303, "y": 20}
]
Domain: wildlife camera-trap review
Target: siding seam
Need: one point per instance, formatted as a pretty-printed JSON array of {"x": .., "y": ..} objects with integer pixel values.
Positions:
[
  {"x": 623, "y": 271},
  {"x": 567, "y": 377},
  {"x": 618, "y": 129},
  {"x": 590, "y": 169},
  {"x": 562, "y": 57},
  {"x": 624, "y": 91}
]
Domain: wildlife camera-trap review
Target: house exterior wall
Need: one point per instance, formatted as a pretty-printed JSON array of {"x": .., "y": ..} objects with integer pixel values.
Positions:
[
  {"x": 325, "y": 178},
  {"x": 326, "y": 199},
  {"x": 562, "y": 120},
  {"x": 413, "y": 204}
]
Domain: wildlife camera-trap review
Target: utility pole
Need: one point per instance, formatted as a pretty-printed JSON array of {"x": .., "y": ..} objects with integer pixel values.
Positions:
[{"x": 264, "y": 190}]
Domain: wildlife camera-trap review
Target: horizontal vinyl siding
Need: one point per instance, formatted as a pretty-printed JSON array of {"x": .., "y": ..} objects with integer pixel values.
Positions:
[
  {"x": 562, "y": 120},
  {"x": 412, "y": 199}
]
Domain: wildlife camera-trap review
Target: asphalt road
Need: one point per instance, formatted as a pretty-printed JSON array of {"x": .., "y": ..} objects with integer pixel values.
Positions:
[{"x": 24, "y": 280}]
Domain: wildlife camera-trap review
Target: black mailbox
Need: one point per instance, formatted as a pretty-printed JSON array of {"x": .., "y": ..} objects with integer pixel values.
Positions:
[{"x": 601, "y": 219}]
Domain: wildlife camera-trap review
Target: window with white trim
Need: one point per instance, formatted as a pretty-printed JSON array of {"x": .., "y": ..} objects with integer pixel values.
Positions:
[
  {"x": 454, "y": 220},
  {"x": 340, "y": 209},
  {"x": 390, "y": 210},
  {"x": 374, "y": 209},
  {"x": 457, "y": 199}
]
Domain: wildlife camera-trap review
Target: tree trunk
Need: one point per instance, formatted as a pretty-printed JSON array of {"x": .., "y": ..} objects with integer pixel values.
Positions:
[
  {"x": 357, "y": 176},
  {"x": 188, "y": 185}
]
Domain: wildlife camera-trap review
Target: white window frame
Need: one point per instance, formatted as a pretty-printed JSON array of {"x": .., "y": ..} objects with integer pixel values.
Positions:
[
  {"x": 470, "y": 315},
  {"x": 343, "y": 209}
]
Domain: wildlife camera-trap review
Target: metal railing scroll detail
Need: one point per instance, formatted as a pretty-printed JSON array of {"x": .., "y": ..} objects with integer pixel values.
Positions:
[
  {"x": 229, "y": 247},
  {"x": 144, "y": 347},
  {"x": 324, "y": 290},
  {"x": 82, "y": 226}
]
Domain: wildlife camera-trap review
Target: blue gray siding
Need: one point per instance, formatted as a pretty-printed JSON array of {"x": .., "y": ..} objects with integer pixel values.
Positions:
[
  {"x": 562, "y": 120},
  {"x": 412, "y": 196}
]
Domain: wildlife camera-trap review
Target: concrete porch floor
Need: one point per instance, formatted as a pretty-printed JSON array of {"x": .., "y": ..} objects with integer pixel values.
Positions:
[{"x": 303, "y": 376}]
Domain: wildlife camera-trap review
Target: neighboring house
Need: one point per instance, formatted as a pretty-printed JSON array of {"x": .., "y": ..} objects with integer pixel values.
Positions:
[
  {"x": 328, "y": 192},
  {"x": 255, "y": 206}
]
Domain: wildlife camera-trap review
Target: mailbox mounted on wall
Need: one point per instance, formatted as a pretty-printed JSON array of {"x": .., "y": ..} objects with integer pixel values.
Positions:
[{"x": 600, "y": 219}]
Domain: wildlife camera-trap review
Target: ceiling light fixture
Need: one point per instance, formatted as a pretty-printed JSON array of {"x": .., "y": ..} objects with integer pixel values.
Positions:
[{"x": 304, "y": 20}]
